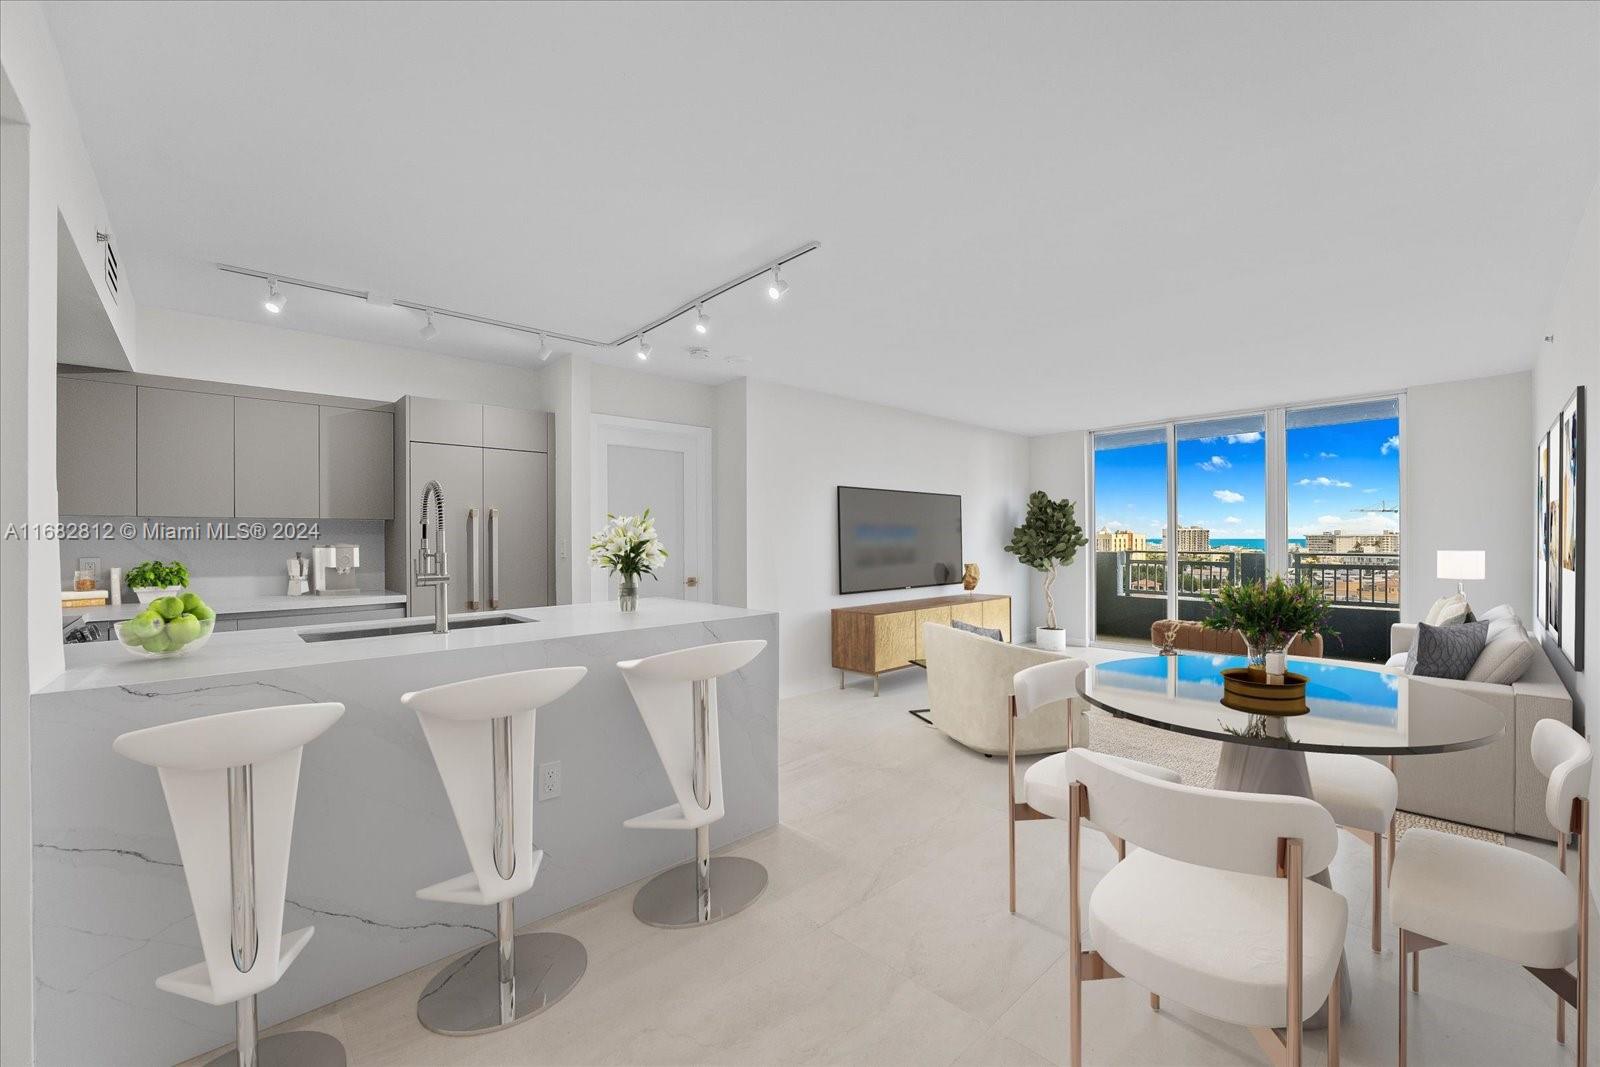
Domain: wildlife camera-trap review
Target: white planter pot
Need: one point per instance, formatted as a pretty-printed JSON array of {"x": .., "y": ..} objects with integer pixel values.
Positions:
[
  {"x": 1051, "y": 640},
  {"x": 146, "y": 595}
]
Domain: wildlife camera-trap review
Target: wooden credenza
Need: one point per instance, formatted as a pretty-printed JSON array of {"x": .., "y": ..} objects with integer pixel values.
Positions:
[{"x": 874, "y": 639}]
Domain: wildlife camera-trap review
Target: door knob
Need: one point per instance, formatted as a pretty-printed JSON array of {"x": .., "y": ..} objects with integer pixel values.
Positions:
[{"x": 691, "y": 582}]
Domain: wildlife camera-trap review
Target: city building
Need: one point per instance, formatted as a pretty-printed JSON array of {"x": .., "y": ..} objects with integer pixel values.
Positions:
[
  {"x": 1120, "y": 541},
  {"x": 1337, "y": 541},
  {"x": 1191, "y": 538}
]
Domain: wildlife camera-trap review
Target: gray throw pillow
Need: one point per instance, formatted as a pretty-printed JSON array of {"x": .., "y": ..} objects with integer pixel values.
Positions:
[
  {"x": 981, "y": 631},
  {"x": 1446, "y": 651}
]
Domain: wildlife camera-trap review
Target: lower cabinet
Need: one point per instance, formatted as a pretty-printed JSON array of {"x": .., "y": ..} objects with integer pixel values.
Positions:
[{"x": 877, "y": 638}]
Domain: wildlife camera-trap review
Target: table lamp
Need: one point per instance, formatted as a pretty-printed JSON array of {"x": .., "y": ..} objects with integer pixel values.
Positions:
[{"x": 1461, "y": 566}]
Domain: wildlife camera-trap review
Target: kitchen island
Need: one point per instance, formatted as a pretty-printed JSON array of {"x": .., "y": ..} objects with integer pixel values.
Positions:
[{"x": 111, "y": 911}]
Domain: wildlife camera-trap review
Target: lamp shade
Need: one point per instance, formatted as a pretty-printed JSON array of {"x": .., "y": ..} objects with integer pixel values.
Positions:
[{"x": 1461, "y": 566}]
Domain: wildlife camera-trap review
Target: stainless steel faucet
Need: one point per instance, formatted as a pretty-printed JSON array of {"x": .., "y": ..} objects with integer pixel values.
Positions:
[{"x": 432, "y": 567}]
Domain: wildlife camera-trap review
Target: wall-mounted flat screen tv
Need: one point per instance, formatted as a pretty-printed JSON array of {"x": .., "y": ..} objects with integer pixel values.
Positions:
[{"x": 889, "y": 539}]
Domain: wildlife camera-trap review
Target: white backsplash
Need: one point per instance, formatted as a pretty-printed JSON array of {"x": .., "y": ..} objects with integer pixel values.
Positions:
[{"x": 222, "y": 568}]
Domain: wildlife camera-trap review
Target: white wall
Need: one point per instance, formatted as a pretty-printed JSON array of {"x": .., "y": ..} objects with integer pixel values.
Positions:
[
  {"x": 49, "y": 185},
  {"x": 636, "y": 395},
  {"x": 731, "y": 443},
  {"x": 1468, "y": 484},
  {"x": 185, "y": 345},
  {"x": 802, "y": 446},
  {"x": 1057, "y": 465},
  {"x": 1571, "y": 360}
]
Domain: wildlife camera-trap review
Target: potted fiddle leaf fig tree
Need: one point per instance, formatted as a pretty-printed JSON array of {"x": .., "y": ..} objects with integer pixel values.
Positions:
[{"x": 1048, "y": 539}]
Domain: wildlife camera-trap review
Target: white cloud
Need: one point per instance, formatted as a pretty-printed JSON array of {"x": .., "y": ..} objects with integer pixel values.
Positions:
[
  {"x": 1372, "y": 490},
  {"x": 1215, "y": 463},
  {"x": 1327, "y": 455},
  {"x": 1244, "y": 438},
  {"x": 1391, "y": 445},
  {"x": 1233, "y": 520},
  {"x": 1329, "y": 520},
  {"x": 1228, "y": 496},
  {"x": 1113, "y": 524},
  {"x": 1355, "y": 524},
  {"x": 1325, "y": 481}
]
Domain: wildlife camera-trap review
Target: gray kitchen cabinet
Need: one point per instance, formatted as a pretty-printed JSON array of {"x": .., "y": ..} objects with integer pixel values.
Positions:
[
  {"x": 459, "y": 470},
  {"x": 516, "y": 532},
  {"x": 446, "y": 422},
  {"x": 526, "y": 431},
  {"x": 357, "y": 464},
  {"x": 185, "y": 453},
  {"x": 275, "y": 459},
  {"x": 97, "y": 451}
]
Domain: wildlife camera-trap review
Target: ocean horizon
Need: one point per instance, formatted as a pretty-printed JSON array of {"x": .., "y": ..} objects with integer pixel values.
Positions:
[{"x": 1249, "y": 544}]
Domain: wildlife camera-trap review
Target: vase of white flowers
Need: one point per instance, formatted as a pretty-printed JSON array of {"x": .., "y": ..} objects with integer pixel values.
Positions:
[{"x": 628, "y": 546}]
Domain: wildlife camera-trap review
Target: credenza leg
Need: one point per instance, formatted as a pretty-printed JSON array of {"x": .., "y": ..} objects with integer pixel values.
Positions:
[
  {"x": 841, "y": 679},
  {"x": 874, "y": 685}
]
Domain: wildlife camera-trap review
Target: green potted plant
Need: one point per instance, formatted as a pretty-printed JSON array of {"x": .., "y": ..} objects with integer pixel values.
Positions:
[
  {"x": 152, "y": 579},
  {"x": 1269, "y": 615},
  {"x": 628, "y": 546},
  {"x": 1048, "y": 539}
]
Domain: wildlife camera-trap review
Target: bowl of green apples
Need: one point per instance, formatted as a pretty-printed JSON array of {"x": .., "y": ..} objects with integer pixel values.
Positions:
[{"x": 168, "y": 626}]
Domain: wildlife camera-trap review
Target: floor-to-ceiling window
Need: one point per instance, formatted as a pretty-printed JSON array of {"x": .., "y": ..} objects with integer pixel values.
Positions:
[
  {"x": 1130, "y": 512},
  {"x": 1343, "y": 476},
  {"x": 1313, "y": 492}
]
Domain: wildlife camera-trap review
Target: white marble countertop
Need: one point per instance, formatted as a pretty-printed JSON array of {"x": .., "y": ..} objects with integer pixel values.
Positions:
[
  {"x": 244, "y": 605},
  {"x": 104, "y": 664}
]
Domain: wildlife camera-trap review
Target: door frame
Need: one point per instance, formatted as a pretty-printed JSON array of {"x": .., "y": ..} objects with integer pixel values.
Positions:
[{"x": 694, "y": 442}]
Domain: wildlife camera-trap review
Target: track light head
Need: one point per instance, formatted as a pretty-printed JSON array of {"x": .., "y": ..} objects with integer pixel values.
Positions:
[
  {"x": 702, "y": 321},
  {"x": 275, "y": 298},
  {"x": 429, "y": 331},
  {"x": 777, "y": 287},
  {"x": 644, "y": 348}
]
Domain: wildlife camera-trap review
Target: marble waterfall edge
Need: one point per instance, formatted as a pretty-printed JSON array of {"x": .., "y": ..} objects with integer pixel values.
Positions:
[{"x": 111, "y": 912}]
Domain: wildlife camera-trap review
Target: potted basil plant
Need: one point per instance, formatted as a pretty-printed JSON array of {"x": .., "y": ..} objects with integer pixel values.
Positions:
[{"x": 153, "y": 579}]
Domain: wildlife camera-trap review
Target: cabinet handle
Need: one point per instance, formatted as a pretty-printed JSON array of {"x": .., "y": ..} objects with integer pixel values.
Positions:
[
  {"x": 494, "y": 559},
  {"x": 472, "y": 559}
]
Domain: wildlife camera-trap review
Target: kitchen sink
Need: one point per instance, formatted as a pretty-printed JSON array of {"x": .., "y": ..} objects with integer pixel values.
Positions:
[{"x": 418, "y": 627}]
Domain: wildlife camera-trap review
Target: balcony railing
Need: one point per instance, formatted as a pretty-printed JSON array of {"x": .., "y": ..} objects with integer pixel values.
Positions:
[{"x": 1364, "y": 580}]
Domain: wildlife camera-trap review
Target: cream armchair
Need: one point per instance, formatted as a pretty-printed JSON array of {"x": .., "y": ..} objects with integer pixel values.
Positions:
[{"x": 969, "y": 693}]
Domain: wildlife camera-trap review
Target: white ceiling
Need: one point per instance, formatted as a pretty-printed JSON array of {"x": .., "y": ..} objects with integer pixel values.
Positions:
[{"x": 1034, "y": 217}]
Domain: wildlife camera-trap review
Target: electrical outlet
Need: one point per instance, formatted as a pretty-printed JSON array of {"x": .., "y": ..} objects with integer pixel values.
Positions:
[{"x": 549, "y": 780}]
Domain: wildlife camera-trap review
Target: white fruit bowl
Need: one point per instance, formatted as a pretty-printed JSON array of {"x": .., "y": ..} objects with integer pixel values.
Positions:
[{"x": 139, "y": 651}]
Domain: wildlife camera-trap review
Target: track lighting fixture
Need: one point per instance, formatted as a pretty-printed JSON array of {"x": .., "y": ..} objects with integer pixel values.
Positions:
[
  {"x": 702, "y": 321},
  {"x": 644, "y": 348},
  {"x": 777, "y": 287},
  {"x": 275, "y": 298},
  {"x": 545, "y": 351},
  {"x": 429, "y": 331}
]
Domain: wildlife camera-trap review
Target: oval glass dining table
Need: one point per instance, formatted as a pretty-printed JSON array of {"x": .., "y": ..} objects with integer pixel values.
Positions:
[{"x": 1354, "y": 710}]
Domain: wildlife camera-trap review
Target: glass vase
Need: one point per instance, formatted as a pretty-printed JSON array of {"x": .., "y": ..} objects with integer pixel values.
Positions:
[
  {"x": 628, "y": 593},
  {"x": 1267, "y": 655}
]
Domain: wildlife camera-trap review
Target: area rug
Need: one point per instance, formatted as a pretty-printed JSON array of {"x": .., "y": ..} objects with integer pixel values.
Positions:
[{"x": 1195, "y": 760}]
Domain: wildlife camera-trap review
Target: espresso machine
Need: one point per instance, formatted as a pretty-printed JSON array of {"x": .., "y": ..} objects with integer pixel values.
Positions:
[{"x": 333, "y": 569}]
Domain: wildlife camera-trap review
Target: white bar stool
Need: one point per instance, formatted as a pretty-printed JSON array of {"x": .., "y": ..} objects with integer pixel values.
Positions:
[
  {"x": 676, "y": 693},
  {"x": 230, "y": 781},
  {"x": 470, "y": 724}
]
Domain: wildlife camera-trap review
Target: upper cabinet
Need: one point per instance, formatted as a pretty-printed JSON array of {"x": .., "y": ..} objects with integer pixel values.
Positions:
[
  {"x": 357, "y": 464},
  {"x": 185, "y": 453},
  {"x": 443, "y": 422},
  {"x": 523, "y": 431},
  {"x": 98, "y": 447},
  {"x": 275, "y": 459}
]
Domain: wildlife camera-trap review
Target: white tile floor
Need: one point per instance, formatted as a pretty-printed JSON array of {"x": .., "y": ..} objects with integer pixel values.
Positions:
[{"x": 885, "y": 938}]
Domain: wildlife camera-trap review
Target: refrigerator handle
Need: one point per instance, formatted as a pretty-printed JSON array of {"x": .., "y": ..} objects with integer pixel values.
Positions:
[
  {"x": 472, "y": 559},
  {"x": 494, "y": 559}
]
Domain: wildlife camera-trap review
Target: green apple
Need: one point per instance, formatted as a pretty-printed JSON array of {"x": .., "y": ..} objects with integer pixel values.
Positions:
[
  {"x": 159, "y": 643},
  {"x": 183, "y": 629},
  {"x": 202, "y": 611},
  {"x": 128, "y": 634},
  {"x": 145, "y": 624},
  {"x": 191, "y": 601},
  {"x": 168, "y": 607}
]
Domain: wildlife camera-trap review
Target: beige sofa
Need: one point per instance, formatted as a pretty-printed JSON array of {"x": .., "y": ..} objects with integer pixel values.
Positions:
[
  {"x": 1496, "y": 786},
  {"x": 969, "y": 692}
]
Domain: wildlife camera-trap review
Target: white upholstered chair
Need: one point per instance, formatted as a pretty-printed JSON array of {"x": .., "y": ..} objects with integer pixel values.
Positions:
[
  {"x": 1051, "y": 685},
  {"x": 1215, "y": 909},
  {"x": 230, "y": 781},
  {"x": 481, "y": 733},
  {"x": 1450, "y": 890},
  {"x": 1361, "y": 795},
  {"x": 676, "y": 693}
]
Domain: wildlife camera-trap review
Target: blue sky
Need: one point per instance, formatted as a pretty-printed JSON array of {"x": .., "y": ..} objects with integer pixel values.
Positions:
[{"x": 1333, "y": 471}]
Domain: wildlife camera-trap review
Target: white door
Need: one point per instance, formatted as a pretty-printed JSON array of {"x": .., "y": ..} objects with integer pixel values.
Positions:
[{"x": 665, "y": 467}]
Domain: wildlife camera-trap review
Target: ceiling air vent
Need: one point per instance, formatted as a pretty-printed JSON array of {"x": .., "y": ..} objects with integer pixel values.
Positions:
[{"x": 111, "y": 263}]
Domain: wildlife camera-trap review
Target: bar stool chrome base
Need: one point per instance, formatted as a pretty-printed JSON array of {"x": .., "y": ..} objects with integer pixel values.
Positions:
[
  {"x": 464, "y": 997},
  {"x": 670, "y": 898},
  {"x": 298, "y": 1048}
]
